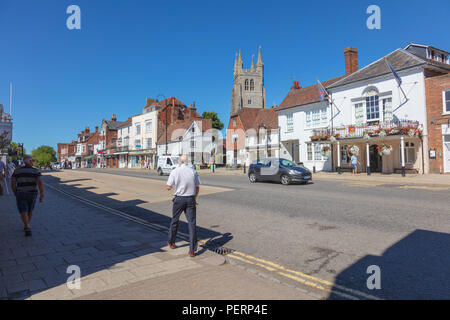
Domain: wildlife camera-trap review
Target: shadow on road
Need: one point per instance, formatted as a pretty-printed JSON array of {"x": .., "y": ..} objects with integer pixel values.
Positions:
[
  {"x": 55, "y": 275},
  {"x": 415, "y": 268}
]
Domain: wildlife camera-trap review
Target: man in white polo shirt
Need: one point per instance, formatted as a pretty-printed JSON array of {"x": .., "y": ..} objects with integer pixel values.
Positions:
[{"x": 187, "y": 186}]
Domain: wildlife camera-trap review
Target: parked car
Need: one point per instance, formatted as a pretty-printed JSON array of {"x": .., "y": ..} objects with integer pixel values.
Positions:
[
  {"x": 166, "y": 164},
  {"x": 55, "y": 165},
  {"x": 278, "y": 170}
]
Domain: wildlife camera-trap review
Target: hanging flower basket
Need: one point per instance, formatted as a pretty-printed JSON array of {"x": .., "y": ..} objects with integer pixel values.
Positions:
[
  {"x": 353, "y": 149},
  {"x": 382, "y": 134},
  {"x": 326, "y": 151},
  {"x": 384, "y": 150}
]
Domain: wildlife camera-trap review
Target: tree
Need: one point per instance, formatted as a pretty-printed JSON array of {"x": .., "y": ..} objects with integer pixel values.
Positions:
[
  {"x": 216, "y": 123},
  {"x": 43, "y": 156}
]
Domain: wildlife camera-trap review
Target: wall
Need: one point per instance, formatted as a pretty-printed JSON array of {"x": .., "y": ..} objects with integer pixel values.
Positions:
[{"x": 435, "y": 111}]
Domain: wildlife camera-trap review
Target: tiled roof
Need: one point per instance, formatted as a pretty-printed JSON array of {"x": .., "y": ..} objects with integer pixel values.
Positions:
[
  {"x": 204, "y": 124},
  {"x": 125, "y": 124},
  {"x": 251, "y": 118},
  {"x": 400, "y": 60},
  {"x": 114, "y": 125},
  {"x": 303, "y": 96}
]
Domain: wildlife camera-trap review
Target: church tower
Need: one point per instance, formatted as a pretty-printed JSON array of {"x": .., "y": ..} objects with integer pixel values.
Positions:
[{"x": 248, "y": 89}]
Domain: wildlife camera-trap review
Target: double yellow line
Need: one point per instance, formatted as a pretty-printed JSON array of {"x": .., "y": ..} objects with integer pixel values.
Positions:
[{"x": 300, "y": 277}]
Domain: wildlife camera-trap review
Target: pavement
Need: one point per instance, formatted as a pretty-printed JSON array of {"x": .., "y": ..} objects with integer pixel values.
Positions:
[{"x": 118, "y": 258}]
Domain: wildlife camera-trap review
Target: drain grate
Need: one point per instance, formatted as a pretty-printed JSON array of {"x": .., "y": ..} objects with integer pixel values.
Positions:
[
  {"x": 223, "y": 251},
  {"x": 212, "y": 245}
]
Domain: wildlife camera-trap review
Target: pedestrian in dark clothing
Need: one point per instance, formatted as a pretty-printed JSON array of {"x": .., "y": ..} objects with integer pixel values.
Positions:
[
  {"x": 24, "y": 184},
  {"x": 187, "y": 187}
]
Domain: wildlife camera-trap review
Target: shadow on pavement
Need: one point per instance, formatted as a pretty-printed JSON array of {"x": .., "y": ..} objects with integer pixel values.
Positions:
[
  {"x": 416, "y": 267},
  {"x": 55, "y": 275}
]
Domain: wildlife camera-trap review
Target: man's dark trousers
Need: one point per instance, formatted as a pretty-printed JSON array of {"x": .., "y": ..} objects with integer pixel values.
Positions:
[{"x": 186, "y": 204}]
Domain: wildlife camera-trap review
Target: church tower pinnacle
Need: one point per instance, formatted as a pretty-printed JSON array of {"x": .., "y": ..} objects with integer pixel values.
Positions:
[{"x": 248, "y": 89}]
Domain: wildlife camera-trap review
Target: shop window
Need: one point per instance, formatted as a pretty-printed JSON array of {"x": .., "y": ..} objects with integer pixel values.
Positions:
[{"x": 410, "y": 153}]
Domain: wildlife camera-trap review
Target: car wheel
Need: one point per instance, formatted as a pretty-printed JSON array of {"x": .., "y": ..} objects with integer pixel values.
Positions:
[
  {"x": 285, "y": 179},
  {"x": 160, "y": 173},
  {"x": 252, "y": 178}
]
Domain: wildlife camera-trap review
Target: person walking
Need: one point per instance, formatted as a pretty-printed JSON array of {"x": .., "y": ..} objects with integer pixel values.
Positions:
[
  {"x": 187, "y": 186},
  {"x": 24, "y": 184},
  {"x": 3, "y": 174},
  {"x": 355, "y": 164}
]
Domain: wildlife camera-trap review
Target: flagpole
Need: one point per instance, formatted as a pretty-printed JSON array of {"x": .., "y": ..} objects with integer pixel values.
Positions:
[
  {"x": 396, "y": 77},
  {"x": 10, "y": 99}
]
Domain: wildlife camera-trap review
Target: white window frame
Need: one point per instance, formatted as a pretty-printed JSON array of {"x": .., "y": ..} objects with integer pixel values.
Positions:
[
  {"x": 137, "y": 125},
  {"x": 323, "y": 117},
  {"x": 383, "y": 107},
  {"x": 379, "y": 111},
  {"x": 148, "y": 126},
  {"x": 289, "y": 122},
  {"x": 444, "y": 102},
  {"x": 408, "y": 147},
  {"x": 149, "y": 142},
  {"x": 308, "y": 120}
]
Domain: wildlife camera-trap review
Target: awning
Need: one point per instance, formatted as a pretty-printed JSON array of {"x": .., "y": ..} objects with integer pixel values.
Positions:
[
  {"x": 90, "y": 157},
  {"x": 142, "y": 153}
]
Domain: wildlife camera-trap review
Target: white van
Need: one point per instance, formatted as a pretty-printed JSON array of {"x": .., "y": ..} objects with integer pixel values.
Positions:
[{"x": 166, "y": 164}]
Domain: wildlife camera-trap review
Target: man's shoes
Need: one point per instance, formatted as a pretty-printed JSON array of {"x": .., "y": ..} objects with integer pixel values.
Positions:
[
  {"x": 172, "y": 245},
  {"x": 191, "y": 254},
  {"x": 27, "y": 232}
]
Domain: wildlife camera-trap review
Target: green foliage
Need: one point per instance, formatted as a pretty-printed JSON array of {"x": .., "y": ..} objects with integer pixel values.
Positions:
[
  {"x": 216, "y": 123},
  {"x": 43, "y": 156}
]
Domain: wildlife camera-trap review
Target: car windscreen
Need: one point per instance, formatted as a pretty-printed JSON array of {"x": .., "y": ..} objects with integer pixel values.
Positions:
[
  {"x": 287, "y": 163},
  {"x": 175, "y": 160}
]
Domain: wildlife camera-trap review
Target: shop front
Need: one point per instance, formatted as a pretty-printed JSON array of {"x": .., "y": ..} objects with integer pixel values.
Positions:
[
  {"x": 379, "y": 149},
  {"x": 144, "y": 159}
]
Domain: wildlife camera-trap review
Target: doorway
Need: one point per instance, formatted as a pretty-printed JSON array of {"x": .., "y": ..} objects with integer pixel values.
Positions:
[
  {"x": 446, "y": 153},
  {"x": 376, "y": 160}
]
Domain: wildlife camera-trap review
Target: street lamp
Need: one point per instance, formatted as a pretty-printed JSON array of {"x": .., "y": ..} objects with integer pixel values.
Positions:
[
  {"x": 165, "y": 106},
  {"x": 260, "y": 125}
]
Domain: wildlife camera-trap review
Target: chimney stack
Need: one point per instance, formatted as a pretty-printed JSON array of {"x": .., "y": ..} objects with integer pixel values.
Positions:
[
  {"x": 113, "y": 118},
  {"x": 351, "y": 60},
  {"x": 96, "y": 129},
  {"x": 86, "y": 129},
  {"x": 295, "y": 85}
]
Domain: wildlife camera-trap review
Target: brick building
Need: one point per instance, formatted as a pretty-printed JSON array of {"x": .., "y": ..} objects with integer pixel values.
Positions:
[
  {"x": 65, "y": 150},
  {"x": 437, "y": 90},
  {"x": 84, "y": 155},
  {"x": 106, "y": 156}
]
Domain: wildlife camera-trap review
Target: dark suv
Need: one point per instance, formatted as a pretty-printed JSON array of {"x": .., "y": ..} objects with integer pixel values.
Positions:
[{"x": 279, "y": 170}]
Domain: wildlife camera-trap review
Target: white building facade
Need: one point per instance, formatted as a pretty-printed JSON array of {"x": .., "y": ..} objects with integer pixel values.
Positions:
[
  {"x": 143, "y": 139},
  {"x": 381, "y": 117},
  {"x": 193, "y": 138}
]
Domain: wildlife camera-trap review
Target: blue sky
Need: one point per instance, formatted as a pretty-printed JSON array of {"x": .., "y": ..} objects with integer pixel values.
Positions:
[{"x": 128, "y": 50}]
